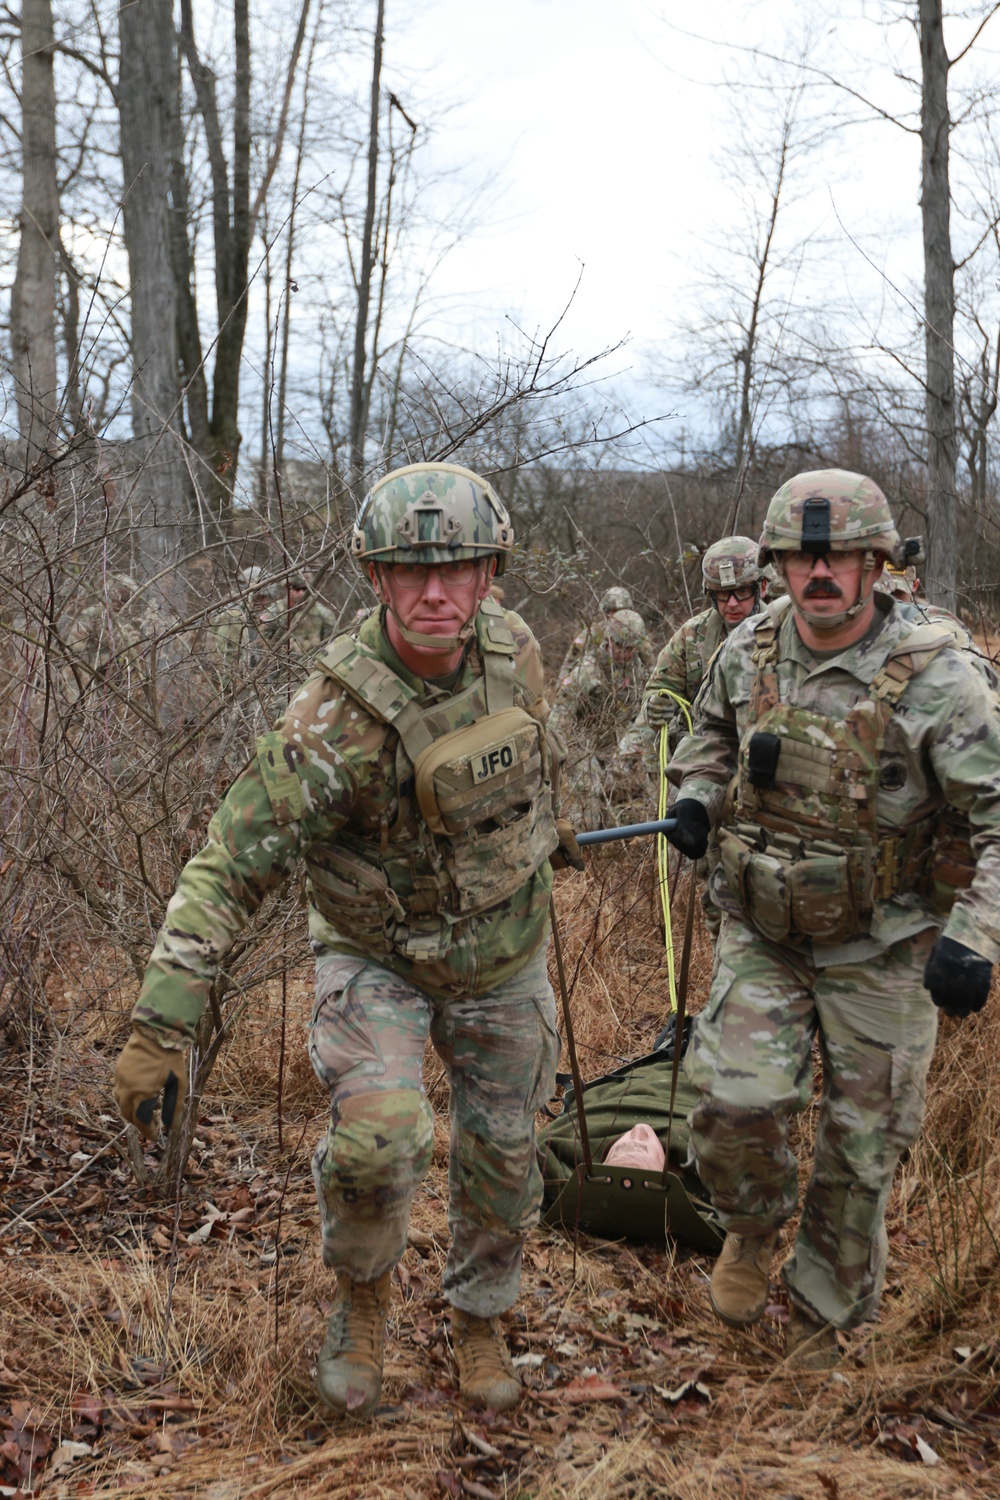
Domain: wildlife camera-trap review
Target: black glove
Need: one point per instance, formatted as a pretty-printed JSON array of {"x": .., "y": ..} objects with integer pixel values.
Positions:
[
  {"x": 693, "y": 827},
  {"x": 958, "y": 979}
]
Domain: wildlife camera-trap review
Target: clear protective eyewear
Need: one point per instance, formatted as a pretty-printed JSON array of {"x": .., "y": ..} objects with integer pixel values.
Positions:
[
  {"x": 415, "y": 575},
  {"x": 742, "y": 592}
]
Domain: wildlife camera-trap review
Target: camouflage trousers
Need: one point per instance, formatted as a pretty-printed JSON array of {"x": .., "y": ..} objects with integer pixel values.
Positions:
[
  {"x": 500, "y": 1051},
  {"x": 751, "y": 1060}
]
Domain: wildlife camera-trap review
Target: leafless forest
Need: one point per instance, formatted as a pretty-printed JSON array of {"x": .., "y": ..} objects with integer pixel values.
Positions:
[{"x": 224, "y": 234}]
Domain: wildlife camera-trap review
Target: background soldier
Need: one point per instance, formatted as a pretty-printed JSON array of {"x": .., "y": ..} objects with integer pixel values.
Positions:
[
  {"x": 593, "y": 704},
  {"x": 237, "y": 632},
  {"x": 412, "y": 776},
  {"x": 101, "y": 631},
  {"x": 298, "y": 623},
  {"x": 863, "y": 747},
  {"x": 735, "y": 585},
  {"x": 589, "y": 639}
]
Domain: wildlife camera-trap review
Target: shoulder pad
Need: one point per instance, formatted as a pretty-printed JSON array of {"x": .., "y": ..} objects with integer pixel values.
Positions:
[
  {"x": 492, "y": 631},
  {"x": 926, "y": 640},
  {"x": 366, "y": 677}
]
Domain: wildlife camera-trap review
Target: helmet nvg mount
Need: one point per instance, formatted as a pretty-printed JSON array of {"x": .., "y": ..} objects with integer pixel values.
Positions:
[
  {"x": 830, "y": 510},
  {"x": 432, "y": 513},
  {"x": 730, "y": 563}
]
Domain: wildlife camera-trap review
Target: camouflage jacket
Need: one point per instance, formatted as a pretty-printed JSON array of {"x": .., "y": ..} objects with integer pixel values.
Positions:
[
  {"x": 942, "y": 746},
  {"x": 305, "y": 629},
  {"x": 596, "y": 700},
  {"x": 681, "y": 665},
  {"x": 333, "y": 774}
]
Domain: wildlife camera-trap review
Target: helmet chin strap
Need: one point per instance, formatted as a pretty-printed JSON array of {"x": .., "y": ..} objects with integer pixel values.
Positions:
[
  {"x": 434, "y": 642},
  {"x": 823, "y": 623}
]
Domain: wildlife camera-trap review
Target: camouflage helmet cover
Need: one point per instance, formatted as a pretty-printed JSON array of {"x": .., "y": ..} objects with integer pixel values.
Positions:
[
  {"x": 828, "y": 510},
  {"x": 432, "y": 513},
  {"x": 730, "y": 563},
  {"x": 613, "y": 599},
  {"x": 625, "y": 628},
  {"x": 899, "y": 583}
]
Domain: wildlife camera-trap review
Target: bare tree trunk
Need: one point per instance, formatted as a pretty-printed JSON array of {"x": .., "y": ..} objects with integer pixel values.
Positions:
[
  {"x": 33, "y": 297},
  {"x": 939, "y": 310},
  {"x": 144, "y": 100},
  {"x": 357, "y": 434},
  {"x": 289, "y": 287}
]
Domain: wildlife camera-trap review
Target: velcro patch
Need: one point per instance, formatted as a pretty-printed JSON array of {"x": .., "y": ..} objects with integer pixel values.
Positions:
[{"x": 492, "y": 761}]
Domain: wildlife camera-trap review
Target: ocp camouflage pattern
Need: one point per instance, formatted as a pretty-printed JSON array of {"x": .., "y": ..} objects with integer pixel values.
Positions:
[{"x": 330, "y": 769}]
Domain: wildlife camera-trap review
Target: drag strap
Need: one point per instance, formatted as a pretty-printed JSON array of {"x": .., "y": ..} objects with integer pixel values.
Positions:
[{"x": 574, "y": 1061}]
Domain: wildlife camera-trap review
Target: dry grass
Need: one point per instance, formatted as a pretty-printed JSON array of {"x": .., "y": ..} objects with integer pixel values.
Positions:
[{"x": 187, "y": 1367}]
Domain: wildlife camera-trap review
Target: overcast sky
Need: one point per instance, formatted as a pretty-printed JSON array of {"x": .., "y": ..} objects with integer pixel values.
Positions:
[{"x": 601, "y": 128}]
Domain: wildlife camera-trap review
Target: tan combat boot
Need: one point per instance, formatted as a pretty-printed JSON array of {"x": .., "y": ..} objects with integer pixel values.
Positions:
[
  {"x": 810, "y": 1345},
  {"x": 349, "y": 1367},
  {"x": 740, "y": 1280},
  {"x": 486, "y": 1376}
]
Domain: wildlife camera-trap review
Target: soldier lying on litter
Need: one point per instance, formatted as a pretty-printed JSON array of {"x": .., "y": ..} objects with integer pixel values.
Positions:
[{"x": 413, "y": 776}]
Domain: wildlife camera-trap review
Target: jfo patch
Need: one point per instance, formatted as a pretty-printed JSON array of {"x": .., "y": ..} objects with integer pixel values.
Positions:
[{"x": 494, "y": 760}]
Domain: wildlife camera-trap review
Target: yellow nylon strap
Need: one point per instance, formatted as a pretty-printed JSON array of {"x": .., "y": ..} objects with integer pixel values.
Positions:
[{"x": 663, "y": 848}]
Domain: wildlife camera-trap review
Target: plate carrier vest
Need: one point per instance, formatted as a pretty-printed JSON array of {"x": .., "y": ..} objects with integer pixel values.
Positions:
[
  {"x": 474, "y": 788},
  {"x": 802, "y": 849}
]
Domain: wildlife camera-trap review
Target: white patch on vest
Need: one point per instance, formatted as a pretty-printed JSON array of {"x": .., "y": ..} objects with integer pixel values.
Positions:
[
  {"x": 494, "y": 761},
  {"x": 326, "y": 706}
]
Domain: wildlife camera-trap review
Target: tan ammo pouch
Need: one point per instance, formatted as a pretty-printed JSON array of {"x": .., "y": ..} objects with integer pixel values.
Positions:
[
  {"x": 951, "y": 867},
  {"x": 791, "y": 889},
  {"x": 487, "y": 771}
]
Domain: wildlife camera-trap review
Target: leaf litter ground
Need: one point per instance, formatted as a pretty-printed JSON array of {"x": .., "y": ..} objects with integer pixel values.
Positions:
[{"x": 165, "y": 1347}]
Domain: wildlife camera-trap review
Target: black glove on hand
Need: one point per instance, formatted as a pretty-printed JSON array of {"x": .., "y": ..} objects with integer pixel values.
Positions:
[
  {"x": 958, "y": 979},
  {"x": 693, "y": 827}
]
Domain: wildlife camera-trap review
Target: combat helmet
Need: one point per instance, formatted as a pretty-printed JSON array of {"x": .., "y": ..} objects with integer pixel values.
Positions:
[
  {"x": 614, "y": 599},
  {"x": 830, "y": 510},
  {"x": 625, "y": 628},
  {"x": 730, "y": 563},
  {"x": 432, "y": 513}
]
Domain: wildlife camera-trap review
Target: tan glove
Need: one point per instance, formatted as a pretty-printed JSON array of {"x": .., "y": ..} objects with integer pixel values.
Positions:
[
  {"x": 568, "y": 851},
  {"x": 659, "y": 709},
  {"x": 142, "y": 1070}
]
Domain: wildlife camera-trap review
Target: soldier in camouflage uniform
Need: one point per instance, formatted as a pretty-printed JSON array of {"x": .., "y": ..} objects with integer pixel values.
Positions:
[
  {"x": 592, "y": 704},
  {"x": 587, "y": 641},
  {"x": 298, "y": 625},
  {"x": 237, "y": 632},
  {"x": 735, "y": 585},
  {"x": 413, "y": 776},
  {"x": 851, "y": 761},
  {"x": 100, "y": 632}
]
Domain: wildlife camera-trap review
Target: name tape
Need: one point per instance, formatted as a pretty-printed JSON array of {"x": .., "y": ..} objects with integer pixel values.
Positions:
[{"x": 493, "y": 761}]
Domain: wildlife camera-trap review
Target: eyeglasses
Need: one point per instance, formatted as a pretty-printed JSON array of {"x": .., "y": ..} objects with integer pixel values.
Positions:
[
  {"x": 415, "y": 575},
  {"x": 804, "y": 562},
  {"x": 743, "y": 593}
]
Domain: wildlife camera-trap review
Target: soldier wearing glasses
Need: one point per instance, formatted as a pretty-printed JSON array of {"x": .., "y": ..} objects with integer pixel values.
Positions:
[
  {"x": 413, "y": 777},
  {"x": 736, "y": 586}
]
